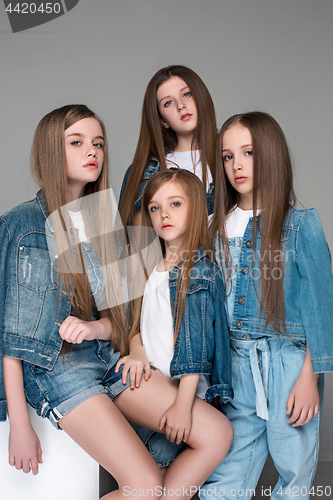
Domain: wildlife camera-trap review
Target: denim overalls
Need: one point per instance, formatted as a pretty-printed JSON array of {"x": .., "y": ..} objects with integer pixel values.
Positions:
[
  {"x": 152, "y": 167},
  {"x": 265, "y": 366}
]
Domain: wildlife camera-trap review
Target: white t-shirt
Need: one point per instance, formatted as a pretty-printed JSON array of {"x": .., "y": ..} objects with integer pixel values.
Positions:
[
  {"x": 77, "y": 219},
  {"x": 78, "y": 223},
  {"x": 188, "y": 160},
  {"x": 237, "y": 221},
  {"x": 157, "y": 326}
]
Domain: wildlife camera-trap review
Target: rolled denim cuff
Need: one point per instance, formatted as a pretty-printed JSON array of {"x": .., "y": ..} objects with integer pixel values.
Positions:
[
  {"x": 222, "y": 392},
  {"x": 3, "y": 410}
]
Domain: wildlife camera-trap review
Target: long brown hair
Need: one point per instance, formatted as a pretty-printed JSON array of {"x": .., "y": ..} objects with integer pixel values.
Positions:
[
  {"x": 48, "y": 165},
  {"x": 157, "y": 141},
  {"x": 196, "y": 235},
  {"x": 273, "y": 182}
]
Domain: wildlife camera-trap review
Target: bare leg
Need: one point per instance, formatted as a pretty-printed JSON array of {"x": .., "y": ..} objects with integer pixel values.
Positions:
[
  {"x": 209, "y": 441},
  {"x": 102, "y": 431}
]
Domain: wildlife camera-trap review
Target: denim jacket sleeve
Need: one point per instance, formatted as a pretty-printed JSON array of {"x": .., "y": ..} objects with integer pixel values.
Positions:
[
  {"x": 221, "y": 387},
  {"x": 4, "y": 239},
  {"x": 316, "y": 291},
  {"x": 123, "y": 186},
  {"x": 152, "y": 167},
  {"x": 203, "y": 344}
]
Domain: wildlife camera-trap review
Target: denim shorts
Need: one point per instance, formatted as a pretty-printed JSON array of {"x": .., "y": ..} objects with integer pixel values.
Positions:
[
  {"x": 87, "y": 370},
  {"x": 162, "y": 450}
]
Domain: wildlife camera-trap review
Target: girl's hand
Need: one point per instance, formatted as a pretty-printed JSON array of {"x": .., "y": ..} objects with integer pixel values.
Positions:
[
  {"x": 303, "y": 401},
  {"x": 178, "y": 422},
  {"x": 25, "y": 451},
  {"x": 75, "y": 330},
  {"x": 137, "y": 363}
]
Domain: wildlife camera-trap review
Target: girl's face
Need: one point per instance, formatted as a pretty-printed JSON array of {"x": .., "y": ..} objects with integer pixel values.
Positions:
[
  {"x": 238, "y": 163},
  {"x": 168, "y": 213},
  {"x": 177, "y": 107},
  {"x": 84, "y": 143}
]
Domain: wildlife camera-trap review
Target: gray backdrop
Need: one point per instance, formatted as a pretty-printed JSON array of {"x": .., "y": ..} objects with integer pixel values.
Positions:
[{"x": 270, "y": 55}]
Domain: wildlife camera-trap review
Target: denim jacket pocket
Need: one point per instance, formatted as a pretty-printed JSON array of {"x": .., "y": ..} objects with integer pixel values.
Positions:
[
  {"x": 35, "y": 271},
  {"x": 196, "y": 284}
]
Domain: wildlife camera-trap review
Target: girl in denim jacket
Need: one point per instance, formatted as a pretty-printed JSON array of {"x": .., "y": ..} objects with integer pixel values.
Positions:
[
  {"x": 279, "y": 290},
  {"x": 178, "y": 127},
  {"x": 181, "y": 317},
  {"x": 63, "y": 327}
]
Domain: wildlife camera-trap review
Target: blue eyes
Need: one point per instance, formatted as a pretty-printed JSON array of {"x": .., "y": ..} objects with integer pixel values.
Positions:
[
  {"x": 168, "y": 103},
  {"x": 95, "y": 144},
  {"x": 174, "y": 204}
]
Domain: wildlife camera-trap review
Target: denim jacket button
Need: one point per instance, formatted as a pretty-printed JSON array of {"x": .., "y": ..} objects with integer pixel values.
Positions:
[
  {"x": 191, "y": 286},
  {"x": 241, "y": 300},
  {"x": 172, "y": 275},
  {"x": 249, "y": 243},
  {"x": 21, "y": 249},
  {"x": 245, "y": 270},
  {"x": 96, "y": 264},
  {"x": 239, "y": 324},
  {"x": 245, "y": 336}
]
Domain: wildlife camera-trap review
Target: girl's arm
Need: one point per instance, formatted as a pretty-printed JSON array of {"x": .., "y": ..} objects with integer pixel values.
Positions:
[
  {"x": 137, "y": 362},
  {"x": 24, "y": 445},
  {"x": 303, "y": 401},
  {"x": 75, "y": 330},
  {"x": 178, "y": 418}
]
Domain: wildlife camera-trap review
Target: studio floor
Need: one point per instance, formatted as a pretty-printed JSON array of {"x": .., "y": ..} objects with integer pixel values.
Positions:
[{"x": 322, "y": 486}]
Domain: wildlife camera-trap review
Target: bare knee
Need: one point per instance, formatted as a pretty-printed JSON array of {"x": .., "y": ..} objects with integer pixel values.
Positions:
[
  {"x": 150, "y": 486},
  {"x": 221, "y": 436}
]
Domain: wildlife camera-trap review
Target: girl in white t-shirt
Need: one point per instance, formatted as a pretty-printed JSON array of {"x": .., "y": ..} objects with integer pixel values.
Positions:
[
  {"x": 181, "y": 317},
  {"x": 277, "y": 270},
  {"x": 178, "y": 128}
]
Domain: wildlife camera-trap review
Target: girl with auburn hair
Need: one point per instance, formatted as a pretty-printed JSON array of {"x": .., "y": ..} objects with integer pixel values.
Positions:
[
  {"x": 180, "y": 325},
  {"x": 63, "y": 326},
  {"x": 178, "y": 127},
  {"x": 277, "y": 269}
]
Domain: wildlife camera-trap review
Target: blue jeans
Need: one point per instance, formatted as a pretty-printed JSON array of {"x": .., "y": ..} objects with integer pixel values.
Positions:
[{"x": 263, "y": 376}]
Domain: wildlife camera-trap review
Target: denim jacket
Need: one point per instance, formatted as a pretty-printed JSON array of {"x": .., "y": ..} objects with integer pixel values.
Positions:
[
  {"x": 308, "y": 288},
  {"x": 152, "y": 167},
  {"x": 31, "y": 307},
  {"x": 202, "y": 344}
]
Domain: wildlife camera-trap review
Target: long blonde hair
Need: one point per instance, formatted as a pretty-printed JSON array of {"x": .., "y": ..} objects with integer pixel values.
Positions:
[
  {"x": 48, "y": 165},
  {"x": 156, "y": 141},
  {"x": 196, "y": 235}
]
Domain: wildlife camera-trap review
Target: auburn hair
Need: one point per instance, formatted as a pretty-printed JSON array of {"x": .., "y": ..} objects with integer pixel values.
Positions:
[{"x": 195, "y": 236}]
